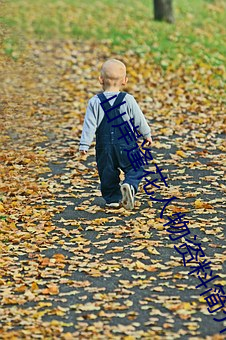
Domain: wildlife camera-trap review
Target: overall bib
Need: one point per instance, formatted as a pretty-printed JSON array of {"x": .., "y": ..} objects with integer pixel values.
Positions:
[{"x": 111, "y": 156}]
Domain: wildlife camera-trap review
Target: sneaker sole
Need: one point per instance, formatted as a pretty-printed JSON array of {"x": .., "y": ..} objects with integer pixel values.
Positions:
[
  {"x": 112, "y": 205},
  {"x": 127, "y": 196}
]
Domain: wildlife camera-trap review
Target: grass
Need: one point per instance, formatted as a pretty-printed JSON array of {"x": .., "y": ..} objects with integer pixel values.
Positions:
[{"x": 197, "y": 33}]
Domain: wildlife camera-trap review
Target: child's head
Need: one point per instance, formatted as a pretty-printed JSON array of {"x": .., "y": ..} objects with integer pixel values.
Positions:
[{"x": 113, "y": 75}]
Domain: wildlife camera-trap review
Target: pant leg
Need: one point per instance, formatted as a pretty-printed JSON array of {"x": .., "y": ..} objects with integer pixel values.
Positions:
[
  {"x": 131, "y": 176},
  {"x": 107, "y": 165}
]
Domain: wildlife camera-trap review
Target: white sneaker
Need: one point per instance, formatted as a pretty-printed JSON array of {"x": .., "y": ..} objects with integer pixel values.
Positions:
[
  {"x": 128, "y": 194},
  {"x": 113, "y": 205}
]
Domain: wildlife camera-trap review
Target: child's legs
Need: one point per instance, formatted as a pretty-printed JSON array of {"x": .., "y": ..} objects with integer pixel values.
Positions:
[
  {"x": 107, "y": 166},
  {"x": 131, "y": 176}
]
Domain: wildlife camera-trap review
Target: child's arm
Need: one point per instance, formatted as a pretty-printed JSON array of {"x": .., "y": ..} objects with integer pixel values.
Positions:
[
  {"x": 139, "y": 120},
  {"x": 88, "y": 130}
]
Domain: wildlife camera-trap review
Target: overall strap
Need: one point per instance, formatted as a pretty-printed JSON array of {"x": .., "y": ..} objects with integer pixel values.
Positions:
[
  {"x": 104, "y": 101},
  {"x": 119, "y": 99},
  {"x": 117, "y": 102}
]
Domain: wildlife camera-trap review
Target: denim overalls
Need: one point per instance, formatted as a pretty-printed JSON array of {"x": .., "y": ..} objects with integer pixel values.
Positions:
[{"x": 110, "y": 154}]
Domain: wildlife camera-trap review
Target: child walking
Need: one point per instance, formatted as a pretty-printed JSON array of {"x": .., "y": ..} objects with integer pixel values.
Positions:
[{"x": 106, "y": 115}]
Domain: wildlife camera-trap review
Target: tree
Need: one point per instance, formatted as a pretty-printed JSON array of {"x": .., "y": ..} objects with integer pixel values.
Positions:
[{"x": 163, "y": 10}]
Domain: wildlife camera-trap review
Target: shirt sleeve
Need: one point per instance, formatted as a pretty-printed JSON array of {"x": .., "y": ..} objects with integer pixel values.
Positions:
[
  {"x": 89, "y": 128},
  {"x": 139, "y": 119}
]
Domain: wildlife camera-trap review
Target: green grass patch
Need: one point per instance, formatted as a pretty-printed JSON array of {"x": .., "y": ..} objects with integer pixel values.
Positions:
[{"x": 198, "y": 32}]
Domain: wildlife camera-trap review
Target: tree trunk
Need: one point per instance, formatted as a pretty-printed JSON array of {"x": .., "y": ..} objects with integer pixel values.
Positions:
[{"x": 163, "y": 10}]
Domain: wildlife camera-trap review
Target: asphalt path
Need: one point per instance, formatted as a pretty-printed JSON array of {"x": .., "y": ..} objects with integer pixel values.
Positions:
[{"x": 123, "y": 298}]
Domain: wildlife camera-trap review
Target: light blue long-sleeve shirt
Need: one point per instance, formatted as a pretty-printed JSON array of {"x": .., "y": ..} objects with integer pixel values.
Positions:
[{"x": 95, "y": 114}]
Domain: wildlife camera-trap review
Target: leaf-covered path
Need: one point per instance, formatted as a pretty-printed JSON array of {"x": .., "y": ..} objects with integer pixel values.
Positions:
[{"x": 69, "y": 268}]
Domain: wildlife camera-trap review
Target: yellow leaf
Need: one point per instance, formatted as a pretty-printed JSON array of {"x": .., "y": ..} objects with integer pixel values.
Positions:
[
  {"x": 67, "y": 336},
  {"x": 152, "y": 251},
  {"x": 193, "y": 326},
  {"x": 158, "y": 289},
  {"x": 59, "y": 257},
  {"x": 44, "y": 304},
  {"x": 38, "y": 315},
  {"x": 115, "y": 250},
  {"x": 53, "y": 289},
  {"x": 140, "y": 265},
  {"x": 12, "y": 225},
  {"x": 34, "y": 286},
  {"x": 187, "y": 306},
  {"x": 55, "y": 323},
  {"x": 159, "y": 226},
  {"x": 21, "y": 289},
  {"x": 200, "y": 204},
  {"x": 201, "y": 299},
  {"x": 181, "y": 153},
  {"x": 78, "y": 239},
  {"x": 100, "y": 221}
]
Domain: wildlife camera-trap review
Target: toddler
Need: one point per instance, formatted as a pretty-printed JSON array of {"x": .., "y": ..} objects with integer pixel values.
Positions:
[{"x": 107, "y": 118}]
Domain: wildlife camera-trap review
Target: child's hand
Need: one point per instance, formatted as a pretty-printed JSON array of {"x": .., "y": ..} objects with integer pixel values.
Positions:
[
  {"x": 83, "y": 152},
  {"x": 148, "y": 141}
]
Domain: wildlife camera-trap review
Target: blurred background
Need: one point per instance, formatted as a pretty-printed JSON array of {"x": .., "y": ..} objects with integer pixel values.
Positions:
[{"x": 197, "y": 31}]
